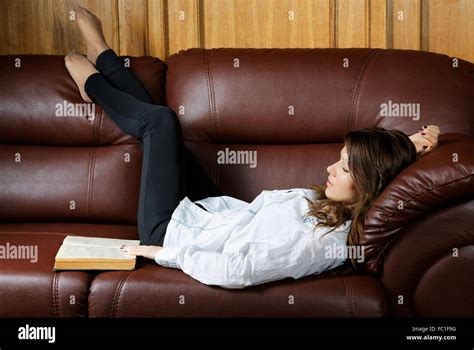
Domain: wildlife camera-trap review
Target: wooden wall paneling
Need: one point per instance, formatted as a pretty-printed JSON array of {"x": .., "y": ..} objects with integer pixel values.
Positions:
[
  {"x": 133, "y": 27},
  {"x": 45, "y": 27},
  {"x": 352, "y": 21},
  {"x": 312, "y": 24},
  {"x": 450, "y": 27},
  {"x": 267, "y": 23},
  {"x": 406, "y": 22},
  {"x": 378, "y": 23},
  {"x": 163, "y": 27},
  {"x": 244, "y": 23},
  {"x": 221, "y": 21},
  {"x": 157, "y": 28},
  {"x": 184, "y": 25},
  {"x": 24, "y": 23}
]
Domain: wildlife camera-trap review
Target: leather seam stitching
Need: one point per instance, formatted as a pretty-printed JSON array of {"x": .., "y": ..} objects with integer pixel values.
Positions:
[
  {"x": 353, "y": 307},
  {"x": 58, "y": 299},
  {"x": 94, "y": 152},
  {"x": 94, "y": 131},
  {"x": 348, "y": 295},
  {"x": 100, "y": 117},
  {"x": 53, "y": 294},
  {"x": 89, "y": 182},
  {"x": 210, "y": 88},
  {"x": 118, "y": 292},
  {"x": 359, "y": 82}
]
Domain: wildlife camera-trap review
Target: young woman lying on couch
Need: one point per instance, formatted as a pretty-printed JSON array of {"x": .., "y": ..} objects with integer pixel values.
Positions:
[{"x": 221, "y": 240}]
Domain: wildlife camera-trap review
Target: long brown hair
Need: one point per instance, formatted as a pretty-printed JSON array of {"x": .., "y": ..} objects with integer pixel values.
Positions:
[{"x": 376, "y": 156}]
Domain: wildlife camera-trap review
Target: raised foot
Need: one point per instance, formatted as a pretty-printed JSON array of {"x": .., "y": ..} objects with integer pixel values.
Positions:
[
  {"x": 91, "y": 30},
  {"x": 80, "y": 69}
]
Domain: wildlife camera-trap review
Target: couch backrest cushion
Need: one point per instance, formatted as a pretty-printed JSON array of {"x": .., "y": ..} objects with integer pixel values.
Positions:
[
  {"x": 293, "y": 106},
  {"x": 60, "y": 159}
]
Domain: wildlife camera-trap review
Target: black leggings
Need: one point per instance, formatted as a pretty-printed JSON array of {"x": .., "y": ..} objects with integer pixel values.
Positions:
[{"x": 168, "y": 166}]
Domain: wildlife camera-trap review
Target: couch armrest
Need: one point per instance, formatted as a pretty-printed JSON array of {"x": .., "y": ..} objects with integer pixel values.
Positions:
[
  {"x": 429, "y": 268},
  {"x": 420, "y": 220}
]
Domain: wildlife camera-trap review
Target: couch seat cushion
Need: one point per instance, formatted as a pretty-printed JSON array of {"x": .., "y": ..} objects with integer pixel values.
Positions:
[
  {"x": 28, "y": 285},
  {"x": 155, "y": 291}
]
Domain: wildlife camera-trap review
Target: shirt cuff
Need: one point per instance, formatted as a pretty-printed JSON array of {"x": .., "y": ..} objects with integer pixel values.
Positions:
[{"x": 166, "y": 257}]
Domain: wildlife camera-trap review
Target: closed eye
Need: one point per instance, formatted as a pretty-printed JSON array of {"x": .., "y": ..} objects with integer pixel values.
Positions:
[{"x": 344, "y": 169}]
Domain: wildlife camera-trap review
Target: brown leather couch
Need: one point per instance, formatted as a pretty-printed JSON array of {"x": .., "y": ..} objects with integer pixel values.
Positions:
[{"x": 63, "y": 175}]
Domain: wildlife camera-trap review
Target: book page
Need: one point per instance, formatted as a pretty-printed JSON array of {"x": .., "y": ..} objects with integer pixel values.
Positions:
[
  {"x": 98, "y": 242},
  {"x": 91, "y": 252}
]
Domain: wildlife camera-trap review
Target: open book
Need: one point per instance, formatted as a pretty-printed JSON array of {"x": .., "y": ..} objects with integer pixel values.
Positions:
[{"x": 93, "y": 253}]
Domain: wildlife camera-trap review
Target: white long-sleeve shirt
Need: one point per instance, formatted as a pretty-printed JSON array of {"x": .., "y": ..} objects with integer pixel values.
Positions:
[{"x": 235, "y": 244}]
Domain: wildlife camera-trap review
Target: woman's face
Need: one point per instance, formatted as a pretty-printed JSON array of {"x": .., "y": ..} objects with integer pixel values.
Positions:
[{"x": 340, "y": 186}]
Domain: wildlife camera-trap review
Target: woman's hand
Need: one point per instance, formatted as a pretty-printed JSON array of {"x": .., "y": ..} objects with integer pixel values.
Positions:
[
  {"x": 148, "y": 251},
  {"x": 425, "y": 139}
]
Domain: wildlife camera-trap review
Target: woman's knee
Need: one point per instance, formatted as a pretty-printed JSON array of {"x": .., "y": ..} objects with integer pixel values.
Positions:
[
  {"x": 161, "y": 118},
  {"x": 156, "y": 237}
]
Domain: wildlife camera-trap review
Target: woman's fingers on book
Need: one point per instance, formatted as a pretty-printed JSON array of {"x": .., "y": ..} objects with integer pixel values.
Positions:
[
  {"x": 147, "y": 251},
  {"x": 128, "y": 250}
]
